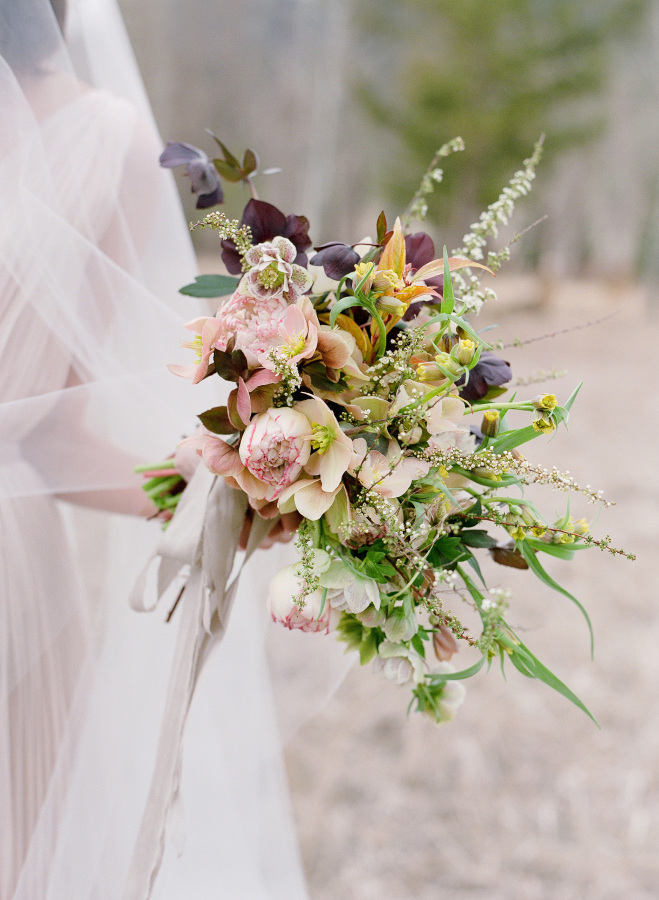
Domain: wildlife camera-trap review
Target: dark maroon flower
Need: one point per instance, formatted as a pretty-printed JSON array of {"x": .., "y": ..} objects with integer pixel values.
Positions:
[
  {"x": 419, "y": 249},
  {"x": 204, "y": 180},
  {"x": 489, "y": 371},
  {"x": 338, "y": 260},
  {"x": 267, "y": 222}
]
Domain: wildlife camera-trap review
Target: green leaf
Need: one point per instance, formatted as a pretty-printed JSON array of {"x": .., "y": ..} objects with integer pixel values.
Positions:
[
  {"x": 441, "y": 677},
  {"x": 250, "y": 162},
  {"x": 493, "y": 392},
  {"x": 536, "y": 567},
  {"x": 477, "y": 538},
  {"x": 233, "y": 176},
  {"x": 211, "y": 286},
  {"x": 381, "y": 227},
  {"x": 417, "y": 643},
  {"x": 447, "y": 552},
  {"x": 318, "y": 374},
  {"x": 528, "y": 664},
  {"x": 230, "y": 158},
  {"x": 346, "y": 303},
  {"x": 562, "y": 551},
  {"x": 573, "y": 396},
  {"x": 368, "y": 647},
  {"x": 476, "y": 595},
  {"x": 505, "y": 481},
  {"x": 510, "y": 439},
  {"x": 448, "y": 303},
  {"x": 217, "y": 420},
  {"x": 473, "y": 562}
]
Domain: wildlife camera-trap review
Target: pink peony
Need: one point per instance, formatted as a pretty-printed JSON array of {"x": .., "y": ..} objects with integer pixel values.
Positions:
[
  {"x": 275, "y": 447},
  {"x": 253, "y": 323}
]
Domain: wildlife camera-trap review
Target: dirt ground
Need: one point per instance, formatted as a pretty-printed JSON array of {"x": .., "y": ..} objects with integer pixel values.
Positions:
[{"x": 522, "y": 797}]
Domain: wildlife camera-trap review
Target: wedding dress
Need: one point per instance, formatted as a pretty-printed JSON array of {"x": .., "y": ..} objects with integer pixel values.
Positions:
[{"x": 92, "y": 250}]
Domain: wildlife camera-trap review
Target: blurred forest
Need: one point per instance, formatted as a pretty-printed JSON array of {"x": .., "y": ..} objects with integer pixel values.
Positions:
[{"x": 352, "y": 98}]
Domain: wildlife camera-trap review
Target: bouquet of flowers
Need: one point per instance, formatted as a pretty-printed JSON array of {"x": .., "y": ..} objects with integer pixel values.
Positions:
[{"x": 364, "y": 402}]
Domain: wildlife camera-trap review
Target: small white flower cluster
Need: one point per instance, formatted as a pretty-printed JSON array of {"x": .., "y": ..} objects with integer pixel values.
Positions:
[
  {"x": 418, "y": 208},
  {"x": 466, "y": 283},
  {"x": 229, "y": 230},
  {"x": 290, "y": 378},
  {"x": 492, "y": 609},
  {"x": 393, "y": 368}
]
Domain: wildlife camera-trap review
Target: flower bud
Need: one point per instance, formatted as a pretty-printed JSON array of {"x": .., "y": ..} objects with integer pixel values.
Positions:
[
  {"x": 444, "y": 644},
  {"x": 447, "y": 362},
  {"x": 545, "y": 402},
  {"x": 490, "y": 423},
  {"x": 364, "y": 273},
  {"x": 530, "y": 519},
  {"x": 484, "y": 472},
  {"x": 410, "y": 437},
  {"x": 429, "y": 371},
  {"x": 581, "y": 526},
  {"x": 399, "y": 626},
  {"x": 447, "y": 342},
  {"x": 543, "y": 423},
  {"x": 371, "y": 617},
  {"x": 464, "y": 351},
  {"x": 390, "y": 305}
]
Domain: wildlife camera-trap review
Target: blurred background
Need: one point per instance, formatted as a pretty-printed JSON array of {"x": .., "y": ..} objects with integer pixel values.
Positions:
[
  {"x": 352, "y": 99},
  {"x": 521, "y": 797}
]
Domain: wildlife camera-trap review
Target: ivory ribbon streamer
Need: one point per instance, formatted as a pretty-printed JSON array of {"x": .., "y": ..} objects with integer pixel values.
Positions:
[{"x": 203, "y": 534}]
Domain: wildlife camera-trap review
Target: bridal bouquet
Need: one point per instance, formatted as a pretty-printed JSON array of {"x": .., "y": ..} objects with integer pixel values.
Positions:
[{"x": 365, "y": 402}]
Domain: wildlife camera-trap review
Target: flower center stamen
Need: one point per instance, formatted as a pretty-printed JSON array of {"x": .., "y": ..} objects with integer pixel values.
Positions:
[{"x": 322, "y": 439}]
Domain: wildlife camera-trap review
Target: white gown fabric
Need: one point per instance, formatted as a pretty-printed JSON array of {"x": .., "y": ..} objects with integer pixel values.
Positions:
[{"x": 92, "y": 249}]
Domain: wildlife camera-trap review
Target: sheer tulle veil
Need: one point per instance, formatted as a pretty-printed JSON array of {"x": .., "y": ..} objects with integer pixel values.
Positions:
[{"x": 93, "y": 246}]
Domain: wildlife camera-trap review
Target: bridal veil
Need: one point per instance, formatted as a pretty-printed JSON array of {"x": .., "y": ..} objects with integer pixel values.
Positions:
[{"x": 92, "y": 249}]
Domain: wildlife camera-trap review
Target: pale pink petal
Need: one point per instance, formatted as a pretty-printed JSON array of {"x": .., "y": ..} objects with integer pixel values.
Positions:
[
  {"x": 183, "y": 371},
  {"x": 221, "y": 458},
  {"x": 260, "y": 378},
  {"x": 255, "y": 489},
  {"x": 334, "y": 463},
  {"x": 197, "y": 325},
  {"x": 312, "y": 501},
  {"x": 312, "y": 467},
  {"x": 294, "y": 321},
  {"x": 243, "y": 403},
  {"x": 334, "y": 349}
]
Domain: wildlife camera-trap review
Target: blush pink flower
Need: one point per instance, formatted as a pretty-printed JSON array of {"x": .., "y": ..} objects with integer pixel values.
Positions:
[
  {"x": 332, "y": 448},
  {"x": 296, "y": 339},
  {"x": 207, "y": 330},
  {"x": 275, "y": 447},
  {"x": 219, "y": 456},
  {"x": 442, "y": 421},
  {"x": 389, "y": 475}
]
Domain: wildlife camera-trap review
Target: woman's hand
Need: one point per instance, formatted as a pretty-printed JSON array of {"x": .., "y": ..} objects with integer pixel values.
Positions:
[{"x": 281, "y": 532}]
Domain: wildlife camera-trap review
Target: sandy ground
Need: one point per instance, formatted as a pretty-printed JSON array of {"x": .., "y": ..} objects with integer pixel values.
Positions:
[{"x": 522, "y": 797}]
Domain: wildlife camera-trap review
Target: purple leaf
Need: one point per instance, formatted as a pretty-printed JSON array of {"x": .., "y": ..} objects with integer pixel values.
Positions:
[
  {"x": 489, "y": 370},
  {"x": 267, "y": 222},
  {"x": 336, "y": 259},
  {"x": 419, "y": 249}
]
